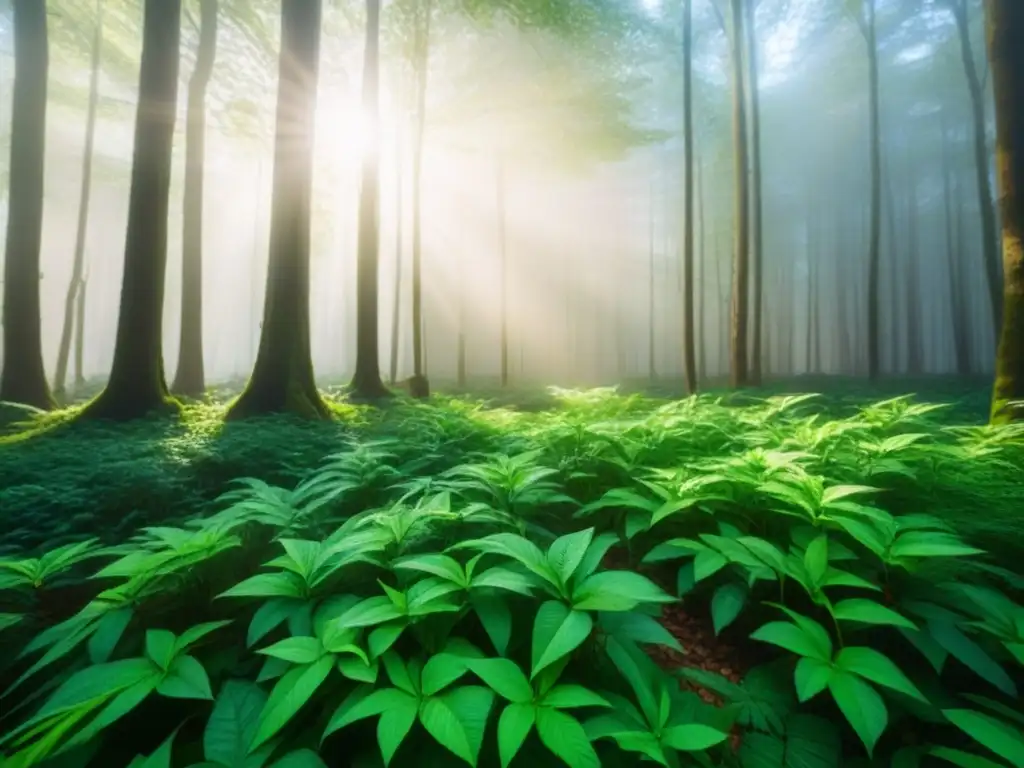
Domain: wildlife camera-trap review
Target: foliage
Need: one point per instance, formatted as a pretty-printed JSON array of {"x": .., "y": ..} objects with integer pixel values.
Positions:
[{"x": 484, "y": 585}]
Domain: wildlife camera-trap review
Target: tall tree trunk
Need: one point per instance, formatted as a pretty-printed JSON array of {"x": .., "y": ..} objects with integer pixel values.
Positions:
[
  {"x": 396, "y": 308},
  {"x": 652, "y": 370},
  {"x": 80, "y": 332},
  {"x": 690, "y": 372},
  {"x": 78, "y": 264},
  {"x": 702, "y": 353},
  {"x": 961, "y": 340},
  {"x": 137, "y": 385},
  {"x": 366, "y": 382},
  {"x": 912, "y": 285},
  {"x": 1005, "y": 32},
  {"x": 868, "y": 27},
  {"x": 757, "y": 240},
  {"x": 499, "y": 181},
  {"x": 190, "y": 379},
  {"x": 419, "y": 384},
  {"x": 282, "y": 378},
  {"x": 741, "y": 264},
  {"x": 23, "y": 379},
  {"x": 990, "y": 243}
]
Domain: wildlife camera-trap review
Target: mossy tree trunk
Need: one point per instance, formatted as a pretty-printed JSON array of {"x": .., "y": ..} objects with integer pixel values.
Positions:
[
  {"x": 1005, "y": 33},
  {"x": 282, "y": 379},
  {"x": 190, "y": 379},
  {"x": 23, "y": 379},
  {"x": 137, "y": 385},
  {"x": 366, "y": 382},
  {"x": 76, "y": 284},
  {"x": 738, "y": 368}
]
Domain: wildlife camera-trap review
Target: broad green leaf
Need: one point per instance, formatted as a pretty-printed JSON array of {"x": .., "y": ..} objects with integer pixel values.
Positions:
[
  {"x": 638, "y": 627},
  {"x": 816, "y": 559},
  {"x": 727, "y": 604},
  {"x": 399, "y": 673},
  {"x": 269, "y": 616},
  {"x": 440, "y": 671},
  {"x": 233, "y": 723},
  {"x": 364, "y": 702},
  {"x": 381, "y": 638},
  {"x": 861, "y": 705},
  {"x": 186, "y": 679},
  {"x": 995, "y": 735},
  {"x": 595, "y": 554},
  {"x": 566, "y": 553},
  {"x": 557, "y": 632},
  {"x": 963, "y": 759},
  {"x": 692, "y": 737},
  {"x": 811, "y": 677},
  {"x": 565, "y": 737},
  {"x": 300, "y": 758},
  {"x": 457, "y": 720},
  {"x": 503, "y": 578},
  {"x": 617, "y": 591},
  {"x": 160, "y": 758},
  {"x": 792, "y": 638},
  {"x": 878, "y": 668},
  {"x": 503, "y": 677},
  {"x": 516, "y": 548},
  {"x": 394, "y": 725},
  {"x": 108, "y": 632},
  {"x": 194, "y": 634},
  {"x": 295, "y": 650},
  {"x": 869, "y": 612},
  {"x": 97, "y": 681},
  {"x": 808, "y": 742},
  {"x": 160, "y": 647},
  {"x": 513, "y": 727},
  {"x": 355, "y": 668},
  {"x": 496, "y": 618},
  {"x": 289, "y": 694},
  {"x": 370, "y": 612},
  {"x": 279, "y": 584},
  {"x": 931, "y": 544},
  {"x": 707, "y": 563},
  {"x": 970, "y": 654},
  {"x": 443, "y": 566},
  {"x": 570, "y": 696}
]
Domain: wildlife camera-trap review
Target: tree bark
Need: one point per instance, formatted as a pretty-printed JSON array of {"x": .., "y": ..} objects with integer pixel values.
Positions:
[
  {"x": 419, "y": 384},
  {"x": 1005, "y": 32},
  {"x": 23, "y": 379},
  {"x": 75, "y": 285},
  {"x": 282, "y": 378},
  {"x": 741, "y": 263},
  {"x": 875, "y": 242},
  {"x": 366, "y": 382},
  {"x": 757, "y": 239},
  {"x": 990, "y": 242},
  {"x": 499, "y": 183},
  {"x": 690, "y": 370},
  {"x": 957, "y": 314},
  {"x": 137, "y": 385},
  {"x": 190, "y": 379},
  {"x": 396, "y": 308}
]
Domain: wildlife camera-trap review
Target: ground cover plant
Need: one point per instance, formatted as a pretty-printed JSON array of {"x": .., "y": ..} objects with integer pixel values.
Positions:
[{"x": 446, "y": 583}]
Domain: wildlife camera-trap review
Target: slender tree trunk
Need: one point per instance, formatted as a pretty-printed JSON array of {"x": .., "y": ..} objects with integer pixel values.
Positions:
[
  {"x": 690, "y": 372},
  {"x": 419, "y": 385},
  {"x": 23, "y": 379},
  {"x": 756, "y": 243},
  {"x": 875, "y": 242},
  {"x": 366, "y": 383},
  {"x": 190, "y": 379},
  {"x": 78, "y": 264},
  {"x": 137, "y": 385},
  {"x": 1005, "y": 32},
  {"x": 990, "y": 242},
  {"x": 652, "y": 371},
  {"x": 961, "y": 342},
  {"x": 702, "y": 352},
  {"x": 282, "y": 378},
  {"x": 912, "y": 285},
  {"x": 741, "y": 264},
  {"x": 499, "y": 180},
  {"x": 396, "y": 308},
  {"x": 80, "y": 332}
]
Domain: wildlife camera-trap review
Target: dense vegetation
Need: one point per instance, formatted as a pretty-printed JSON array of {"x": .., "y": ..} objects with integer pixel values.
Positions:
[{"x": 486, "y": 584}]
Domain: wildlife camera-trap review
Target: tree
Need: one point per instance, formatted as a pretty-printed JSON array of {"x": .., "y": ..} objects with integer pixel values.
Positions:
[
  {"x": 137, "y": 385},
  {"x": 282, "y": 378},
  {"x": 190, "y": 379},
  {"x": 976, "y": 87},
  {"x": 76, "y": 285},
  {"x": 757, "y": 239},
  {"x": 23, "y": 379},
  {"x": 366, "y": 382},
  {"x": 1005, "y": 31},
  {"x": 741, "y": 257},
  {"x": 689, "y": 331}
]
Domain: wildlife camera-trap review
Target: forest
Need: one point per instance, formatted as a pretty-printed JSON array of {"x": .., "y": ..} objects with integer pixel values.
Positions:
[{"x": 511, "y": 382}]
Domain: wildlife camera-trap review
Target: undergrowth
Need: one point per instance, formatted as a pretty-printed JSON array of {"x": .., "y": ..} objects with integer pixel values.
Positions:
[{"x": 445, "y": 584}]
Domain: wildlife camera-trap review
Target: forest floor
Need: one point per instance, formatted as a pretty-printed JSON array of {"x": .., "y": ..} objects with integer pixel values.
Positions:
[{"x": 537, "y": 460}]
